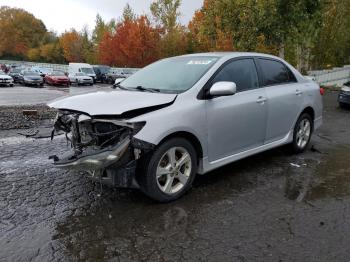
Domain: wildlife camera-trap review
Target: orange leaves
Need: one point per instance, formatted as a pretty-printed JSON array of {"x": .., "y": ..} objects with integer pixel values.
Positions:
[
  {"x": 19, "y": 31},
  {"x": 71, "y": 43},
  {"x": 134, "y": 44},
  {"x": 224, "y": 41}
]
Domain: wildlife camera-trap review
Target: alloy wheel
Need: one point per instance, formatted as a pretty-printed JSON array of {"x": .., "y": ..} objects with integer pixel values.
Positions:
[
  {"x": 173, "y": 170},
  {"x": 304, "y": 132}
]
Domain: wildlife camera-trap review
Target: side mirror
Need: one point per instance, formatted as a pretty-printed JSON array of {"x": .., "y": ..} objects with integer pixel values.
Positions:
[{"x": 223, "y": 89}]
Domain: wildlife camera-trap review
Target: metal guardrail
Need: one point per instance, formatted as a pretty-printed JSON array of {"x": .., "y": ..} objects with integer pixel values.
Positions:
[
  {"x": 336, "y": 76},
  {"x": 60, "y": 67}
]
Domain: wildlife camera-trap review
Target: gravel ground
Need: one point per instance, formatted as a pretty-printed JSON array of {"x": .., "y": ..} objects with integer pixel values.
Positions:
[
  {"x": 270, "y": 207},
  {"x": 12, "y": 117}
]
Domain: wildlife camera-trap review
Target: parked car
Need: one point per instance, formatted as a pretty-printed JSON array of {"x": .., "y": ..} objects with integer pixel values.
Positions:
[
  {"x": 113, "y": 74},
  {"x": 42, "y": 71},
  {"x": 5, "y": 80},
  {"x": 30, "y": 78},
  {"x": 101, "y": 72},
  {"x": 129, "y": 71},
  {"x": 15, "y": 73},
  {"x": 81, "y": 79},
  {"x": 344, "y": 95},
  {"x": 186, "y": 115},
  {"x": 57, "y": 78},
  {"x": 82, "y": 68}
]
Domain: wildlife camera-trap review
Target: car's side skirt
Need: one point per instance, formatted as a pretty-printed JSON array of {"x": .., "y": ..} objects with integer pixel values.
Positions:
[{"x": 206, "y": 166}]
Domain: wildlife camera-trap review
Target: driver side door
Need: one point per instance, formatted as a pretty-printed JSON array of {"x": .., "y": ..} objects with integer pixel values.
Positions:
[{"x": 236, "y": 123}]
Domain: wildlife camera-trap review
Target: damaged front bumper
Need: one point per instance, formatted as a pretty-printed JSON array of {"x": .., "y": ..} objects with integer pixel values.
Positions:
[
  {"x": 95, "y": 160},
  {"x": 105, "y": 148}
]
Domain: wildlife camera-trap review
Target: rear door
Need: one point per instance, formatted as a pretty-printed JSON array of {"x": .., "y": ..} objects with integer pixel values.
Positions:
[
  {"x": 236, "y": 123},
  {"x": 284, "y": 97}
]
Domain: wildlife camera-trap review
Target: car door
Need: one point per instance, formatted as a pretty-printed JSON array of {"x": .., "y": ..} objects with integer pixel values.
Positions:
[
  {"x": 236, "y": 123},
  {"x": 284, "y": 96}
]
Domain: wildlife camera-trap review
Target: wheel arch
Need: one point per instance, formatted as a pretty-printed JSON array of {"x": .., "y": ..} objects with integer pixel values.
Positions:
[
  {"x": 188, "y": 136},
  {"x": 310, "y": 111}
]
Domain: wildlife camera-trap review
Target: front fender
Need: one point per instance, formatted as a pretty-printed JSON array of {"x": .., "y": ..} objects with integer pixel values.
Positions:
[{"x": 182, "y": 116}]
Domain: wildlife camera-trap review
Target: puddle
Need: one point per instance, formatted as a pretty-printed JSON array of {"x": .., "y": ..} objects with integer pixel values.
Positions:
[
  {"x": 332, "y": 175},
  {"x": 313, "y": 179}
]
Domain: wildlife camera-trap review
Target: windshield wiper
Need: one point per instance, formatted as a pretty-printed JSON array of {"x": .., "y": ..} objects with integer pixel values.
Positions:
[
  {"x": 142, "y": 88},
  {"x": 139, "y": 88}
]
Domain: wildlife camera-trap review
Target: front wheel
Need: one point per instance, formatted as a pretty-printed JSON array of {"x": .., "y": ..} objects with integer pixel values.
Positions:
[
  {"x": 342, "y": 105},
  {"x": 168, "y": 173},
  {"x": 302, "y": 133}
]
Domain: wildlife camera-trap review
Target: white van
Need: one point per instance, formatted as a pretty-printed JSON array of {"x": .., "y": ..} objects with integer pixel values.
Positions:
[{"x": 81, "y": 68}]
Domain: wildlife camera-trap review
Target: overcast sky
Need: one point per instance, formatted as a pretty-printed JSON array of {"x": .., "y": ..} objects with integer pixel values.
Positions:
[{"x": 61, "y": 15}]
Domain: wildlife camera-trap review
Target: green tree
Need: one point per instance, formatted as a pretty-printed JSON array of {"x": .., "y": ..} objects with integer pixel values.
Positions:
[
  {"x": 166, "y": 13},
  {"x": 19, "y": 32}
]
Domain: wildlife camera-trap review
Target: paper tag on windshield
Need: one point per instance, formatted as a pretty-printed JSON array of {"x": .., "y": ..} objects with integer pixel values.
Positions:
[{"x": 199, "y": 62}]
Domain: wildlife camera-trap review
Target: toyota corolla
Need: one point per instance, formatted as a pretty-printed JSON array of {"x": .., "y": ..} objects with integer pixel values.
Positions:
[{"x": 184, "y": 116}]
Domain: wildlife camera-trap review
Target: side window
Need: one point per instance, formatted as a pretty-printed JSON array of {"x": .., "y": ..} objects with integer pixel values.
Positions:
[
  {"x": 242, "y": 72},
  {"x": 275, "y": 72}
]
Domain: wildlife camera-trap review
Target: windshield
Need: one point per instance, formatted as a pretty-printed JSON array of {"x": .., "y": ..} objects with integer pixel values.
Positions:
[
  {"x": 175, "y": 75},
  {"x": 28, "y": 73},
  {"x": 87, "y": 70},
  {"x": 347, "y": 84},
  {"x": 58, "y": 73}
]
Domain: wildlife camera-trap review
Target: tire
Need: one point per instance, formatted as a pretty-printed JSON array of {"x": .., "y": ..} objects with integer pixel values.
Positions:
[
  {"x": 178, "y": 179},
  {"x": 342, "y": 105},
  {"x": 302, "y": 133}
]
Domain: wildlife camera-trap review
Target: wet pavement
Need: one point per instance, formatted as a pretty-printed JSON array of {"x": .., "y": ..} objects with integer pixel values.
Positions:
[{"x": 274, "y": 206}]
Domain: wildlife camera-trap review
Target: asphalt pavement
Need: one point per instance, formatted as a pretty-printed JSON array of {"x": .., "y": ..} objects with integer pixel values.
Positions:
[
  {"x": 274, "y": 206},
  {"x": 21, "y": 95}
]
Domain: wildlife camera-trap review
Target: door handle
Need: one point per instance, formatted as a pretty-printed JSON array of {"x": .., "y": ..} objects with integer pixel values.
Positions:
[
  {"x": 261, "y": 100},
  {"x": 298, "y": 92}
]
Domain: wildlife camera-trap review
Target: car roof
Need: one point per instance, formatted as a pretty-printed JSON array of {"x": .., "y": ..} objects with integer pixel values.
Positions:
[{"x": 233, "y": 54}]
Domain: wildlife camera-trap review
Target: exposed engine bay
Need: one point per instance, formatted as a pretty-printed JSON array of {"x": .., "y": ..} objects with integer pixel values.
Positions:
[{"x": 105, "y": 147}]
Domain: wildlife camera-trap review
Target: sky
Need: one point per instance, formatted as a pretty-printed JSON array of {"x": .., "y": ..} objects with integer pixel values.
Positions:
[{"x": 61, "y": 15}]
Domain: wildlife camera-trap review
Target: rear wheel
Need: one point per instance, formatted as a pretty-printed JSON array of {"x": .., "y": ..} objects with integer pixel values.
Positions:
[
  {"x": 302, "y": 133},
  {"x": 168, "y": 173}
]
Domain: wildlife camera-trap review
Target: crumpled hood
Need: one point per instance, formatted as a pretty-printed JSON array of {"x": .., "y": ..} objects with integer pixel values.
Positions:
[{"x": 112, "y": 102}]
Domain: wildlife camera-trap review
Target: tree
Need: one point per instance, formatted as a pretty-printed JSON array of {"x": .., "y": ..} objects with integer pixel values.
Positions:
[
  {"x": 173, "y": 35},
  {"x": 128, "y": 13},
  {"x": 332, "y": 43},
  {"x": 72, "y": 45},
  {"x": 100, "y": 28},
  {"x": 19, "y": 32},
  {"x": 166, "y": 13},
  {"x": 134, "y": 44},
  {"x": 89, "y": 51}
]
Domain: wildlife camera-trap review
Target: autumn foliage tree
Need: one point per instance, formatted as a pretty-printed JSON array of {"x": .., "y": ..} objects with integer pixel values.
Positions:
[
  {"x": 135, "y": 43},
  {"x": 19, "y": 31},
  {"x": 72, "y": 46}
]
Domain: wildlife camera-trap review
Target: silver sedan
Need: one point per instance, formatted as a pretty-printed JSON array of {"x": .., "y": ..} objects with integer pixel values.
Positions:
[{"x": 187, "y": 115}]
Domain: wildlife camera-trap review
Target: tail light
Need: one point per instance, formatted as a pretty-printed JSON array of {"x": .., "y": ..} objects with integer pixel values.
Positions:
[{"x": 322, "y": 91}]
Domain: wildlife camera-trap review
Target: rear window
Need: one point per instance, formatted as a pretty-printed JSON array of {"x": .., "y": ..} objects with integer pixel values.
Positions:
[
  {"x": 275, "y": 72},
  {"x": 347, "y": 84}
]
